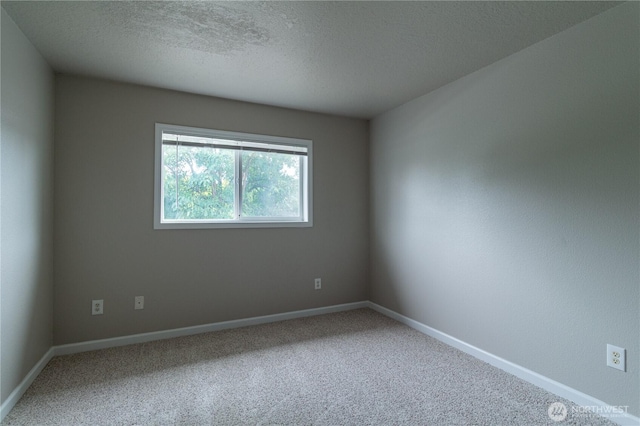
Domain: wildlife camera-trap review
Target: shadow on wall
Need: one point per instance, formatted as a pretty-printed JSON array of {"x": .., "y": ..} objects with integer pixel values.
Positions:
[{"x": 506, "y": 199}]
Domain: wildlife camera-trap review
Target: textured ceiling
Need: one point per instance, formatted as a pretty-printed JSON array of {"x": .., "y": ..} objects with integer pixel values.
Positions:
[{"x": 349, "y": 58}]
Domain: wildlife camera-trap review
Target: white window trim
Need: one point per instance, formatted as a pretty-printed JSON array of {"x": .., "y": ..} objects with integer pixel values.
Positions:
[{"x": 263, "y": 222}]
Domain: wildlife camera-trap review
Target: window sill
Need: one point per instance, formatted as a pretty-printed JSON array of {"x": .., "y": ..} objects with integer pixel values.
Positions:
[{"x": 232, "y": 224}]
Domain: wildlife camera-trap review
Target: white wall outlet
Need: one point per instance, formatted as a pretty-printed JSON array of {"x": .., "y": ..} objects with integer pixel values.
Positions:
[
  {"x": 96, "y": 307},
  {"x": 138, "y": 302},
  {"x": 616, "y": 357},
  {"x": 318, "y": 283}
]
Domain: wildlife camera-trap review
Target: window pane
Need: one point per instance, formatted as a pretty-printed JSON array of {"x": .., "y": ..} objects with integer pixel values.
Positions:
[
  {"x": 198, "y": 182},
  {"x": 270, "y": 184}
]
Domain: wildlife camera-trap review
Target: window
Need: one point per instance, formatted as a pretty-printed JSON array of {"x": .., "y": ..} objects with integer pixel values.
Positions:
[{"x": 215, "y": 179}]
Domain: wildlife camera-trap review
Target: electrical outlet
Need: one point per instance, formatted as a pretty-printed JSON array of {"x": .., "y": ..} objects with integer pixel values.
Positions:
[
  {"x": 616, "y": 357},
  {"x": 318, "y": 283},
  {"x": 96, "y": 307},
  {"x": 138, "y": 302}
]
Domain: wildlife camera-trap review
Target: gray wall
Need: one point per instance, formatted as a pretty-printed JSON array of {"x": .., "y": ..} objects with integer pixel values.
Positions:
[
  {"x": 106, "y": 247},
  {"x": 26, "y": 170},
  {"x": 505, "y": 207}
]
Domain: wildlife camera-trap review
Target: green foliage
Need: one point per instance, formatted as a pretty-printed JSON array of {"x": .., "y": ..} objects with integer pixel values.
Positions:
[
  {"x": 199, "y": 183},
  {"x": 270, "y": 184}
]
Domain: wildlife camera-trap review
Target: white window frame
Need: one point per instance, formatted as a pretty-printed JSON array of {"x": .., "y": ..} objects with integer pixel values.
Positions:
[{"x": 306, "y": 177}]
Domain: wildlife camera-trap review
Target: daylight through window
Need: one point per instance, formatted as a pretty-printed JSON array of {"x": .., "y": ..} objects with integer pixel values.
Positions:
[{"x": 209, "y": 178}]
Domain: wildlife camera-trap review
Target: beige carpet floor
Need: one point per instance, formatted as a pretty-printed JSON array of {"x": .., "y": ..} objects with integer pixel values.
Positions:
[{"x": 349, "y": 368}]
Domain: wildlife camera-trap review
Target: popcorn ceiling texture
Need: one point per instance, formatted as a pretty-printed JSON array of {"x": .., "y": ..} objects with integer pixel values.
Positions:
[
  {"x": 212, "y": 28},
  {"x": 356, "y": 59},
  {"x": 349, "y": 368}
]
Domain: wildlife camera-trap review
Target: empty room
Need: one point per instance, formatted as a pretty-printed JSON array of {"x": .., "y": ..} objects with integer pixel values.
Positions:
[{"x": 320, "y": 213}]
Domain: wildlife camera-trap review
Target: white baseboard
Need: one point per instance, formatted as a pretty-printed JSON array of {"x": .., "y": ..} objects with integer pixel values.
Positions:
[
  {"x": 532, "y": 377},
  {"x": 525, "y": 374},
  {"x": 92, "y": 345},
  {"x": 187, "y": 331},
  {"x": 17, "y": 393}
]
